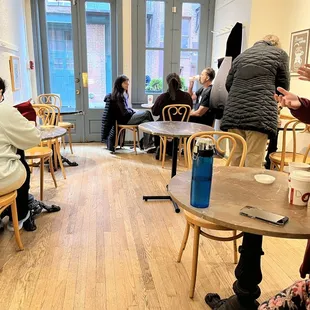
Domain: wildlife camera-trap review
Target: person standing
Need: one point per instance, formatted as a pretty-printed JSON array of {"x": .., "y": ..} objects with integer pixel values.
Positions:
[
  {"x": 251, "y": 110},
  {"x": 202, "y": 113}
]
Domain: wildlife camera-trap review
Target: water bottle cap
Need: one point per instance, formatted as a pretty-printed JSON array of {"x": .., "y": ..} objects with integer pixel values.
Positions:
[{"x": 204, "y": 144}]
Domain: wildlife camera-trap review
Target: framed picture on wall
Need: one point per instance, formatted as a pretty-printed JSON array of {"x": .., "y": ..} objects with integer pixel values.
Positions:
[
  {"x": 15, "y": 73},
  {"x": 299, "y": 50}
]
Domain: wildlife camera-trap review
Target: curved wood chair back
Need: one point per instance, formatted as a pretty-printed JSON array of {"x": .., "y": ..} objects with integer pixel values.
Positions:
[
  {"x": 291, "y": 126},
  {"x": 45, "y": 114},
  {"x": 233, "y": 139},
  {"x": 50, "y": 99},
  {"x": 176, "y": 111}
]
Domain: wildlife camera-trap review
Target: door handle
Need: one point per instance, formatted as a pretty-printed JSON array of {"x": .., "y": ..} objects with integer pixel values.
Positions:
[
  {"x": 85, "y": 79},
  {"x": 77, "y": 80},
  {"x": 77, "y": 91}
]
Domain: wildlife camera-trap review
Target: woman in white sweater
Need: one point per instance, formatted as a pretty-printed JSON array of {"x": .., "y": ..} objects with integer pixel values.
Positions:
[{"x": 16, "y": 135}]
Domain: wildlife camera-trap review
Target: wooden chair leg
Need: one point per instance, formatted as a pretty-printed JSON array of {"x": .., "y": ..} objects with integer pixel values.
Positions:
[
  {"x": 15, "y": 224},
  {"x": 160, "y": 148},
  {"x": 134, "y": 140},
  {"x": 52, "y": 170},
  {"x": 185, "y": 152},
  {"x": 184, "y": 241},
  {"x": 235, "y": 248},
  {"x": 55, "y": 157},
  {"x": 31, "y": 165},
  {"x": 59, "y": 159},
  {"x": 63, "y": 142},
  {"x": 164, "y": 152},
  {"x": 70, "y": 139},
  {"x": 41, "y": 178},
  {"x": 116, "y": 138},
  {"x": 195, "y": 260}
]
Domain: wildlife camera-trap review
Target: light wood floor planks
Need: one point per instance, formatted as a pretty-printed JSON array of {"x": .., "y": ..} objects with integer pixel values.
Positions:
[{"x": 107, "y": 249}]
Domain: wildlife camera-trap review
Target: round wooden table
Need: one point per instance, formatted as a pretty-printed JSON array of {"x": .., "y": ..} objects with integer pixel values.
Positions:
[
  {"x": 52, "y": 133},
  {"x": 232, "y": 189},
  {"x": 175, "y": 130},
  {"x": 75, "y": 112}
]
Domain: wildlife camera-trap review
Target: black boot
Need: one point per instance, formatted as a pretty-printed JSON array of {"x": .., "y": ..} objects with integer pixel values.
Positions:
[{"x": 30, "y": 225}]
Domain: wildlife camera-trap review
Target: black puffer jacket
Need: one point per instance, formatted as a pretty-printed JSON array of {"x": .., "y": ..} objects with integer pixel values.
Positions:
[{"x": 252, "y": 83}]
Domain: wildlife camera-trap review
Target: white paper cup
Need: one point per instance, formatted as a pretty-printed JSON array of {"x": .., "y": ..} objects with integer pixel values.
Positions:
[
  {"x": 194, "y": 78},
  {"x": 150, "y": 99},
  {"x": 299, "y": 188},
  {"x": 295, "y": 167}
]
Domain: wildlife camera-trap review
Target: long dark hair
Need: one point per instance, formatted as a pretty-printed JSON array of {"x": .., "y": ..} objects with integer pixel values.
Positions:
[
  {"x": 174, "y": 83},
  {"x": 118, "y": 90},
  {"x": 2, "y": 85}
]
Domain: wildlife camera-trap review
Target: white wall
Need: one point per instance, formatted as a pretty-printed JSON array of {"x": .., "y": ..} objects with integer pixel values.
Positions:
[
  {"x": 227, "y": 14},
  {"x": 13, "y": 36}
]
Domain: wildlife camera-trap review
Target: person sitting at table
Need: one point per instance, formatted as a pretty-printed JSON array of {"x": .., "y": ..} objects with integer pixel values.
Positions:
[
  {"x": 174, "y": 95},
  {"x": 202, "y": 113},
  {"x": 126, "y": 115},
  {"x": 16, "y": 135}
]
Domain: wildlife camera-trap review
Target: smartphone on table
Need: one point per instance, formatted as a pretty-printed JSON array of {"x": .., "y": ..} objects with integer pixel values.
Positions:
[{"x": 263, "y": 215}]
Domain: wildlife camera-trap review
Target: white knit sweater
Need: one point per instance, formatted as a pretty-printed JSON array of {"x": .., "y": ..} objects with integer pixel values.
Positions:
[{"x": 16, "y": 132}]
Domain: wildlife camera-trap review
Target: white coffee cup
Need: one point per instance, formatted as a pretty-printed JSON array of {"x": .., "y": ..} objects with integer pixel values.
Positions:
[
  {"x": 295, "y": 167},
  {"x": 299, "y": 188},
  {"x": 194, "y": 78},
  {"x": 150, "y": 99}
]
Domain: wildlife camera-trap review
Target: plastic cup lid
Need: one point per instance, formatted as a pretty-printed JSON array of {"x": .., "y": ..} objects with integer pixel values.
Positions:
[{"x": 301, "y": 175}]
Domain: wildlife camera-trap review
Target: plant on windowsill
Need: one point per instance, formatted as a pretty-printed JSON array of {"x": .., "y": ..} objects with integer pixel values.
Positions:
[{"x": 155, "y": 86}]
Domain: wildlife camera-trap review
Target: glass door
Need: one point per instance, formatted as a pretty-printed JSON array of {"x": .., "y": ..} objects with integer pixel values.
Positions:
[
  {"x": 98, "y": 67},
  {"x": 80, "y": 41},
  {"x": 61, "y": 69}
]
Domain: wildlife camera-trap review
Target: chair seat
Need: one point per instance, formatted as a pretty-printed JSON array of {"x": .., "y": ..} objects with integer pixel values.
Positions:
[
  {"x": 127, "y": 126},
  {"x": 65, "y": 125},
  {"x": 276, "y": 158},
  {"x": 198, "y": 221},
  {"x": 38, "y": 152},
  {"x": 7, "y": 199}
]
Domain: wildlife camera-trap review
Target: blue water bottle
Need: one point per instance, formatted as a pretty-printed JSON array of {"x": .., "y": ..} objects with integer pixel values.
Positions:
[{"x": 202, "y": 173}]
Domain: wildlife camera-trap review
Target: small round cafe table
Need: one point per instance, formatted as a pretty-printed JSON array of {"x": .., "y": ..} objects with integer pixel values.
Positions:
[
  {"x": 52, "y": 133},
  {"x": 175, "y": 130},
  {"x": 232, "y": 189}
]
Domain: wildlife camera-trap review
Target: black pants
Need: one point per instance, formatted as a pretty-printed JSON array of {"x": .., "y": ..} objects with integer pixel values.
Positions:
[
  {"x": 272, "y": 147},
  {"x": 23, "y": 191}
]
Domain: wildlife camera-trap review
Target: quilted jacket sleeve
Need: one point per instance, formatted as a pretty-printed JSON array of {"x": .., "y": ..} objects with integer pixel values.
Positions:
[{"x": 283, "y": 74}]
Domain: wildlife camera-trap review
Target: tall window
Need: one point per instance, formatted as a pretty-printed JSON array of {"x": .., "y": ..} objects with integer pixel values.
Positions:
[
  {"x": 154, "y": 46},
  {"x": 189, "y": 41}
]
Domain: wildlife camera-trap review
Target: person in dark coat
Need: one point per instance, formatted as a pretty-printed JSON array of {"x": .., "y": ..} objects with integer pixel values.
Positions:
[
  {"x": 251, "y": 110},
  {"x": 126, "y": 115}
]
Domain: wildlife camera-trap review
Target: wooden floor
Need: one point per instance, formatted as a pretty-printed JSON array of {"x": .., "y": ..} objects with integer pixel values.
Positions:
[{"x": 107, "y": 249}]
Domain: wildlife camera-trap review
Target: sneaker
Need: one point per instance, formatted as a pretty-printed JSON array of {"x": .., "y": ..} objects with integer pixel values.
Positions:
[{"x": 10, "y": 226}]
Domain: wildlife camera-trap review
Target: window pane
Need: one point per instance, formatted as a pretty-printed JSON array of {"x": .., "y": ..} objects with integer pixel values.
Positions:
[
  {"x": 154, "y": 68},
  {"x": 190, "y": 25},
  {"x": 60, "y": 52},
  {"x": 98, "y": 33},
  {"x": 188, "y": 66},
  {"x": 155, "y": 24}
]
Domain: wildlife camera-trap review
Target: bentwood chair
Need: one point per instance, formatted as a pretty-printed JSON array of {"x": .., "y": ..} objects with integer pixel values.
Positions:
[
  {"x": 56, "y": 100},
  {"x": 174, "y": 112},
  {"x": 197, "y": 223},
  {"x": 278, "y": 160}
]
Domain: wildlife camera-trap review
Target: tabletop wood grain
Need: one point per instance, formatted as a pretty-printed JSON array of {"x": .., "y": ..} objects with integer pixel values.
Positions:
[
  {"x": 234, "y": 188},
  {"x": 174, "y": 129}
]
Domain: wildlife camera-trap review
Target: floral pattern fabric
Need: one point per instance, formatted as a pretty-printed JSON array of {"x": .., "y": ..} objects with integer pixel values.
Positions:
[{"x": 295, "y": 297}]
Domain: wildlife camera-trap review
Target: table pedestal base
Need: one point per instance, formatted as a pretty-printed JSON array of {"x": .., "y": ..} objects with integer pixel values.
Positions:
[
  {"x": 248, "y": 274},
  {"x": 176, "y": 208},
  {"x": 175, "y": 146}
]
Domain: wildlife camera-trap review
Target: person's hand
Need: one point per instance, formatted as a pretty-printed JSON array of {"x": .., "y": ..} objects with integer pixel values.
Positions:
[
  {"x": 304, "y": 72},
  {"x": 287, "y": 99},
  {"x": 191, "y": 84}
]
